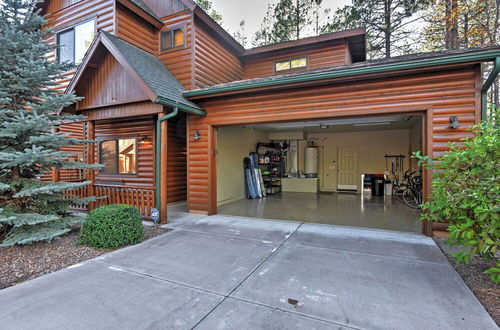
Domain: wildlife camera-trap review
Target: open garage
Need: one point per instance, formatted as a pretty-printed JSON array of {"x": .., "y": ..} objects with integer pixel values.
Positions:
[{"x": 331, "y": 171}]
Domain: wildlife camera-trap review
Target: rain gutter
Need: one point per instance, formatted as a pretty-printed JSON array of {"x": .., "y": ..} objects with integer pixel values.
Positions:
[{"x": 486, "y": 86}]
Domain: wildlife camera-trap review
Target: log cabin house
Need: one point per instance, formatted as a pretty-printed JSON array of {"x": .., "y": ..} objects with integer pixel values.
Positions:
[{"x": 176, "y": 103}]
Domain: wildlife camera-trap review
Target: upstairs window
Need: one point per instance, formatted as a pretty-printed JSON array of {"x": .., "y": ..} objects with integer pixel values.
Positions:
[
  {"x": 291, "y": 64},
  {"x": 172, "y": 39},
  {"x": 74, "y": 42},
  {"x": 119, "y": 156}
]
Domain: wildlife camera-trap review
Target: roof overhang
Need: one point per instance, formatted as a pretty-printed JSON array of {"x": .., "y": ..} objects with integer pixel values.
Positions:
[
  {"x": 359, "y": 69},
  {"x": 141, "y": 12},
  {"x": 355, "y": 37}
]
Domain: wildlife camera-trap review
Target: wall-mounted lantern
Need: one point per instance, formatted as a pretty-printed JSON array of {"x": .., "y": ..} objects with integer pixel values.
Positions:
[
  {"x": 143, "y": 138},
  {"x": 454, "y": 123},
  {"x": 197, "y": 135}
]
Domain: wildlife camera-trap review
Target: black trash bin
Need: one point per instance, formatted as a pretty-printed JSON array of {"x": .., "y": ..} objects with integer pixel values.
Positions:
[{"x": 377, "y": 186}]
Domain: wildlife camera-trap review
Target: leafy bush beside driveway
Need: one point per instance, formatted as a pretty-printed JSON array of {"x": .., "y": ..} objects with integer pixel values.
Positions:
[
  {"x": 112, "y": 226},
  {"x": 466, "y": 193}
]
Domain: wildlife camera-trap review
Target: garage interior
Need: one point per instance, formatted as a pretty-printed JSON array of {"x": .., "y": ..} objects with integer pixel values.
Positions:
[{"x": 320, "y": 171}]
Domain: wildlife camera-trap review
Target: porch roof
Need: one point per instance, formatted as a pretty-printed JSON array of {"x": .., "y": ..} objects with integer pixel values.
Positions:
[
  {"x": 413, "y": 61},
  {"x": 156, "y": 80}
]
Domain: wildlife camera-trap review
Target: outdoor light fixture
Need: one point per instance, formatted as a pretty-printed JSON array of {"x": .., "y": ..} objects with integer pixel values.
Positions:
[
  {"x": 143, "y": 138},
  {"x": 454, "y": 123},
  {"x": 197, "y": 135}
]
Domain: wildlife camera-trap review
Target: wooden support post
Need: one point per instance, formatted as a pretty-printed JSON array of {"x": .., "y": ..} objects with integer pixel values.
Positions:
[
  {"x": 90, "y": 159},
  {"x": 56, "y": 173},
  {"x": 163, "y": 170}
]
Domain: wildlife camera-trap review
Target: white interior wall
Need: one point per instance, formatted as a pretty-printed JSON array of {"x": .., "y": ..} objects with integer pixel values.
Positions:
[
  {"x": 371, "y": 146},
  {"x": 234, "y": 144}
]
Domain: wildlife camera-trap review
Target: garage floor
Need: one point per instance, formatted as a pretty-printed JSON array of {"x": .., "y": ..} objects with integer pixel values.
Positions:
[
  {"x": 344, "y": 209},
  {"x": 224, "y": 272}
]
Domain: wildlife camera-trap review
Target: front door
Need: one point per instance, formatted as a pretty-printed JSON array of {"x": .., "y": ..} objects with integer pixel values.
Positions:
[{"x": 347, "y": 169}]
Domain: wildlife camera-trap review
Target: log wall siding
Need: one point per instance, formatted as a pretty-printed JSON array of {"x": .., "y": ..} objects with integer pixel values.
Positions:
[
  {"x": 100, "y": 87},
  {"x": 177, "y": 160},
  {"x": 179, "y": 60},
  {"x": 454, "y": 92},
  {"x": 145, "y": 150},
  {"x": 61, "y": 17},
  {"x": 135, "y": 30},
  {"x": 213, "y": 63},
  {"x": 323, "y": 56}
]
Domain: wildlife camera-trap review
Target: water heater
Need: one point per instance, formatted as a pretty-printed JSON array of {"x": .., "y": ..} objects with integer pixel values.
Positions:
[{"x": 311, "y": 162}]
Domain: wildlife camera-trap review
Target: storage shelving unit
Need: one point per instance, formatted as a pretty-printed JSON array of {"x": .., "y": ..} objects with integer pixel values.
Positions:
[{"x": 271, "y": 166}]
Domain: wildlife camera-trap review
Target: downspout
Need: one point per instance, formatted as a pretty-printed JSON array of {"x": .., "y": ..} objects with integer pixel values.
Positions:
[
  {"x": 487, "y": 84},
  {"x": 158, "y": 154}
]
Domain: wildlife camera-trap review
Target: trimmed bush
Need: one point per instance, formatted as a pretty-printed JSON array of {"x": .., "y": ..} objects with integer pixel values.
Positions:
[{"x": 112, "y": 226}]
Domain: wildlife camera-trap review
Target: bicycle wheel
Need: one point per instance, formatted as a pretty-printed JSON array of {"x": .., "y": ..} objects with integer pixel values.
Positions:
[
  {"x": 398, "y": 192},
  {"x": 411, "y": 199}
]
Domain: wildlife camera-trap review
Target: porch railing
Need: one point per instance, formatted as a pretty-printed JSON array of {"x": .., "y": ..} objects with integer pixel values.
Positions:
[
  {"x": 80, "y": 192},
  {"x": 139, "y": 196}
]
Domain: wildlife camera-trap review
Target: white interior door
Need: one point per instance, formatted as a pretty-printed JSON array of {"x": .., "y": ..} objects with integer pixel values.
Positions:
[{"x": 347, "y": 169}]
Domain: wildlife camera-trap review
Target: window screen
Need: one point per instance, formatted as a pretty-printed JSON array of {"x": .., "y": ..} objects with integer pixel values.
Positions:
[
  {"x": 66, "y": 42},
  {"x": 119, "y": 156},
  {"x": 172, "y": 39},
  {"x": 108, "y": 157},
  {"x": 74, "y": 42}
]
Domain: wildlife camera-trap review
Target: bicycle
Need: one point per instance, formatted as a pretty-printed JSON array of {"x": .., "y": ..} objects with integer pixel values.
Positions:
[{"x": 410, "y": 193}]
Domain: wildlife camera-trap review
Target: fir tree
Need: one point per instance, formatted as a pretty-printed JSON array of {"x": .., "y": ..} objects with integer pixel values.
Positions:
[{"x": 31, "y": 209}]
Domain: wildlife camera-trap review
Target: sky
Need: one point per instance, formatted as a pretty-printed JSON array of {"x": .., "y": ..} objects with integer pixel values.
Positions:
[{"x": 253, "y": 11}]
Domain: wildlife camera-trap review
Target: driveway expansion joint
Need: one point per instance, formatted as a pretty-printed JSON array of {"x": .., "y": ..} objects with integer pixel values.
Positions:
[{"x": 250, "y": 274}]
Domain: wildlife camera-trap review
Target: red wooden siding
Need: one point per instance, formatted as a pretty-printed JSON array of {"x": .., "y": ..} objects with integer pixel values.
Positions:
[
  {"x": 453, "y": 92},
  {"x": 145, "y": 150},
  {"x": 76, "y": 131},
  {"x": 214, "y": 64},
  {"x": 100, "y": 88},
  {"x": 322, "y": 56},
  {"x": 136, "y": 31},
  {"x": 61, "y": 17},
  {"x": 177, "y": 157},
  {"x": 179, "y": 60}
]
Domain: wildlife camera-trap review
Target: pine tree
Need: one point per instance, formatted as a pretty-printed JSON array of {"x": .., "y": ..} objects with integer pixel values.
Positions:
[
  {"x": 207, "y": 6},
  {"x": 31, "y": 209},
  {"x": 390, "y": 24},
  {"x": 290, "y": 20}
]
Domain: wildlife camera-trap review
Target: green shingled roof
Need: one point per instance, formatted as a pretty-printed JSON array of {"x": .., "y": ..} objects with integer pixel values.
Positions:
[{"x": 153, "y": 73}]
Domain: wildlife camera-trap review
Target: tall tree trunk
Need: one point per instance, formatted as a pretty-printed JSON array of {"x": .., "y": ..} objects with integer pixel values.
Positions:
[
  {"x": 387, "y": 30},
  {"x": 451, "y": 21},
  {"x": 297, "y": 9}
]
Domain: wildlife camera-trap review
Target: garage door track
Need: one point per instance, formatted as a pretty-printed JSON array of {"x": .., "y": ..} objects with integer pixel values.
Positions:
[{"x": 225, "y": 272}]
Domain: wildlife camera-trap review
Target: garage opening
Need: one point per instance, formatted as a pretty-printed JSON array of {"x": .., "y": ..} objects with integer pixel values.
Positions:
[{"x": 333, "y": 171}]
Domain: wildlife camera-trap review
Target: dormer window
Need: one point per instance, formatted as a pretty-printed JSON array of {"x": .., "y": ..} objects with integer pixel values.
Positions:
[
  {"x": 74, "y": 42},
  {"x": 172, "y": 39},
  {"x": 291, "y": 64}
]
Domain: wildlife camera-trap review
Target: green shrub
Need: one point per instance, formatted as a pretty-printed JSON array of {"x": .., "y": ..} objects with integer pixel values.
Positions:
[
  {"x": 465, "y": 192},
  {"x": 112, "y": 226}
]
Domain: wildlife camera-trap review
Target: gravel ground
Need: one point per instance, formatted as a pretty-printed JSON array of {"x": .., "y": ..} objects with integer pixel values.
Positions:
[
  {"x": 487, "y": 292},
  {"x": 23, "y": 263}
]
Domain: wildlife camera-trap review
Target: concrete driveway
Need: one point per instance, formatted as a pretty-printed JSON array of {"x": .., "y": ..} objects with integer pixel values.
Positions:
[{"x": 226, "y": 272}]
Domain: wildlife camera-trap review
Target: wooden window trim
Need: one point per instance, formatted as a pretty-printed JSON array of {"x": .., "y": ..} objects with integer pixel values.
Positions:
[
  {"x": 68, "y": 27},
  {"x": 172, "y": 28},
  {"x": 291, "y": 69},
  {"x": 116, "y": 138}
]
